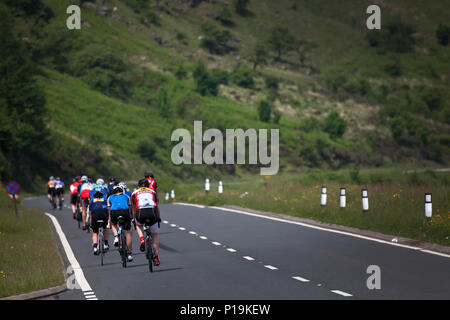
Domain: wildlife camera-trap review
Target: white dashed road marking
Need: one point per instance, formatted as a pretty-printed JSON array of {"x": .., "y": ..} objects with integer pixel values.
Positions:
[
  {"x": 248, "y": 258},
  {"x": 203, "y": 237},
  {"x": 231, "y": 250},
  {"x": 181, "y": 228},
  {"x": 216, "y": 243},
  {"x": 271, "y": 267},
  {"x": 300, "y": 279},
  {"x": 342, "y": 293}
]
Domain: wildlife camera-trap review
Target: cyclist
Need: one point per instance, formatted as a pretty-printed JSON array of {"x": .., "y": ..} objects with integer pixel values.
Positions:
[
  {"x": 85, "y": 189},
  {"x": 112, "y": 183},
  {"x": 98, "y": 211},
  {"x": 51, "y": 188},
  {"x": 74, "y": 194},
  {"x": 99, "y": 186},
  {"x": 151, "y": 180},
  {"x": 125, "y": 188},
  {"x": 119, "y": 205},
  {"x": 145, "y": 206},
  {"x": 59, "y": 191}
]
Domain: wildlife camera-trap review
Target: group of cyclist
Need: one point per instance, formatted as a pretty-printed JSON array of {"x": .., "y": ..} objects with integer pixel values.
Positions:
[
  {"x": 55, "y": 192},
  {"x": 108, "y": 202}
]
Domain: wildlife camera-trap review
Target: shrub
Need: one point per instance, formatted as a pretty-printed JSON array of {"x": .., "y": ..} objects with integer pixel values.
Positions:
[
  {"x": 206, "y": 84},
  {"x": 359, "y": 86},
  {"x": 240, "y": 6},
  {"x": 147, "y": 149},
  {"x": 215, "y": 40},
  {"x": 220, "y": 76},
  {"x": 264, "y": 111},
  {"x": 394, "y": 36},
  {"x": 432, "y": 98},
  {"x": 335, "y": 80},
  {"x": 310, "y": 124},
  {"x": 442, "y": 34},
  {"x": 281, "y": 41},
  {"x": 180, "y": 72},
  {"x": 397, "y": 125},
  {"x": 271, "y": 82},
  {"x": 276, "y": 117},
  {"x": 242, "y": 76},
  {"x": 354, "y": 175},
  {"x": 224, "y": 17},
  {"x": 334, "y": 125}
]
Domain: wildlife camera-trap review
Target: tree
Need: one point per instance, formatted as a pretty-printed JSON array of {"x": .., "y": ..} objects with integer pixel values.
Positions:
[
  {"x": 281, "y": 41},
  {"x": 334, "y": 125},
  {"x": 206, "y": 83},
  {"x": 224, "y": 17},
  {"x": 22, "y": 102},
  {"x": 264, "y": 111},
  {"x": 215, "y": 40},
  {"x": 442, "y": 34},
  {"x": 259, "y": 55},
  {"x": 303, "y": 48},
  {"x": 240, "y": 6},
  {"x": 243, "y": 76}
]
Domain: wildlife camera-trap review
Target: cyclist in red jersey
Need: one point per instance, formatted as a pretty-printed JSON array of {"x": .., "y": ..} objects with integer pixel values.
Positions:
[
  {"x": 151, "y": 181},
  {"x": 145, "y": 207},
  {"x": 74, "y": 194}
]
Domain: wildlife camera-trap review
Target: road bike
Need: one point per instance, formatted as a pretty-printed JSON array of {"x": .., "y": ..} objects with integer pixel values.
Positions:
[
  {"x": 149, "y": 251},
  {"x": 53, "y": 202},
  {"x": 123, "y": 248},
  {"x": 101, "y": 240}
]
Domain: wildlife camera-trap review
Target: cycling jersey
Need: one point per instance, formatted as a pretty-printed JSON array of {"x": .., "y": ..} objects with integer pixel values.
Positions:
[
  {"x": 144, "y": 198},
  {"x": 119, "y": 202},
  {"x": 59, "y": 184},
  {"x": 152, "y": 183},
  {"x": 51, "y": 184},
  {"x": 98, "y": 188},
  {"x": 86, "y": 189},
  {"x": 74, "y": 187},
  {"x": 98, "y": 204}
]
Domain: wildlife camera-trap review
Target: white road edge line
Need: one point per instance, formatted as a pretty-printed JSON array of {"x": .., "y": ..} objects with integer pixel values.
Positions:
[
  {"x": 248, "y": 258},
  {"x": 79, "y": 275},
  {"x": 300, "y": 279},
  {"x": 190, "y": 204},
  {"x": 231, "y": 250},
  {"x": 216, "y": 243},
  {"x": 192, "y": 232},
  {"x": 203, "y": 238},
  {"x": 342, "y": 293},
  {"x": 330, "y": 230},
  {"x": 182, "y": 229}
]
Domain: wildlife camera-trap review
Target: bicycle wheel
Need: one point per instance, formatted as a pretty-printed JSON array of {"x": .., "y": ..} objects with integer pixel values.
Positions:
[
  {"x": 101, "y": 244},
  {"x": 149, "y": 254},
  {"x": 124, "y": 249}
]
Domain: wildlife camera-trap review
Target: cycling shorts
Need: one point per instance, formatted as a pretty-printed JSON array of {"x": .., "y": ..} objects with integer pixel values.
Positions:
[
  {"x": 99, "y": 215},
  {"x": 147, "y": 216},
  {"x": 51, "y": 191},
  {"x": 115, "y": 214},
  {"x": 84, "y": 202},
  {"x": 74, "y": 198},
  {"x": 59, "y": 191}
]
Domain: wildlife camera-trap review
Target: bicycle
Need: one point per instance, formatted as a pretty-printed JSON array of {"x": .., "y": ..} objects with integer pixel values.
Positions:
[
  {"x": 53, "y": 202},
  {"x": 79, "y": 216},
  {"x": 149, "y": 251},
  {"x": 123, "y": 248},
  {"x": 101, "y": 240}
]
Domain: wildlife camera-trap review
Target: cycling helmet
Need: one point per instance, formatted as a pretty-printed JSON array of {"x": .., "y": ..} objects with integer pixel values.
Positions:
[
  {"x": 143, "y": 183},
  {"x": 84, "y": 178},
  {"x": 117, "y": 189},
  {"x": 123, "y": 185},
  {"x": 100, "y": 182},
  {"x": 51, "y": 178},
  {"x": 149, "y": 175}
]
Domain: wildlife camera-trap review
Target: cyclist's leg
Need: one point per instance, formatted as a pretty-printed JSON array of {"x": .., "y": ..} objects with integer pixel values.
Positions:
[{"x": 83, "y": 212}]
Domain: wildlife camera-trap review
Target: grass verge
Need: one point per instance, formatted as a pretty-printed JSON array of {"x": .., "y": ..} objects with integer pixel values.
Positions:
[
  {"x": 29, "y": 258},
  {"x": 395, "y": 208}
]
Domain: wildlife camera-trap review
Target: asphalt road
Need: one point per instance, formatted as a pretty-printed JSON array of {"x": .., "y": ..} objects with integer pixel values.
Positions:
[{"x": 209, "y": 254}]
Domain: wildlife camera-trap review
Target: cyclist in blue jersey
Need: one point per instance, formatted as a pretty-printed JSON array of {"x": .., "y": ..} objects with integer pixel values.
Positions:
[
  {"x": 119, "y": 204},
  {"x": 99, "y": 186},
  {"x": 59, "y": 191},
  {"x": 98, "y": 210}
]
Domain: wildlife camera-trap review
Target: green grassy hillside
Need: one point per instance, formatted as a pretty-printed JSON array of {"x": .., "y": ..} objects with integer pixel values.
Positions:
[{"x": 116, "y": 89}]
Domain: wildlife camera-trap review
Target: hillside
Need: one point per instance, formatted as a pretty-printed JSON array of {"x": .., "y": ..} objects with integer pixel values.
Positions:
[{"x": 137, "y": 70}]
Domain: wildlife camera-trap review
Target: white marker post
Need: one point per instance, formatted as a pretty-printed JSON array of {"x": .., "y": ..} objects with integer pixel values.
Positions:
[
  {"x": 172, "y": 194},
  {"x": 167, "y": 196},
  {"x": 428, "y": 205},
  {"x": 342, "y": 198},
  {"x": 365, "y": 200},
  {"x": 207, "y": 185},
  {"x": 220, "y": 187},
  {"x": 323, "y": 197}
]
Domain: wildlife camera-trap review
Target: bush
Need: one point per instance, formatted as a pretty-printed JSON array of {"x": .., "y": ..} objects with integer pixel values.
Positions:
[
  {"x": 354, "y": 175},
  {"x": 243, "y": 76},
  {"x": 276, "y": 117},
  {"x": 359, "y": 86},
  {"x": 206, "y": 84},
  {"x": 394, "y": 36},
  {"x": 220, "y": 76},
  {"x": 264, "y": 111},
  {"x": 271, "y": 82},
  {"x": 180, "y": 72},
  {"x": 432, "y": 98},
  {"x": 334, "y": 125},
  {"x": 224, "y": 17},
  {"x": 335, "y": 81},
  {"x": 393, "y": 67},
  {"x": 240, "y": 6},
  {"x": 310, "y": 124},
  {"x": 215, "y": 40},
  {"x": 442, "y": 34},
  {"x": 147, "y": 150},
  {"x": 397, "y": 125}
]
